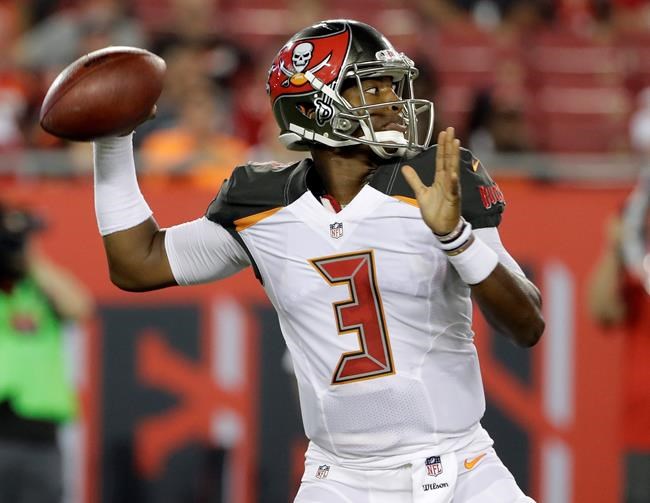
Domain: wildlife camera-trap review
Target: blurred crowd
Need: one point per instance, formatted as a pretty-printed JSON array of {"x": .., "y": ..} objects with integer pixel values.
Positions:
[{"x": 510, "y": 75}]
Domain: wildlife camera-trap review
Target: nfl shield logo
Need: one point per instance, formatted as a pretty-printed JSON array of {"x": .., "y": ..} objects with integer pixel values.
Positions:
[
  {"x": 336, "y": 230},
  {"x": 322, "y": 472},
  {"x": 434, "y": 466}
]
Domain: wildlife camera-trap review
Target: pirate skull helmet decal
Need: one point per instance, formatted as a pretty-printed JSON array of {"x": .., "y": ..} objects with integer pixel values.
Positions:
[
  {"x": 305, "y": 82},
  {"x": 321, "y": 56},
  {"x": 302, "y": 55}
]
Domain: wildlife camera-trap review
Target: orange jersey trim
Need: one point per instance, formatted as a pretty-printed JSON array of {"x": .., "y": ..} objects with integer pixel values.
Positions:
[
  {"x": 246, "y": 222},
  {"x": 408, "y": 200}
]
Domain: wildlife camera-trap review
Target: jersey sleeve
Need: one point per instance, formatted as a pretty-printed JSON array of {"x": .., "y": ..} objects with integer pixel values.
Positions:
[
  {"x": 202, "y": 251},
  {"x": 482, "y": 200},
  {"x": 253, "y": 189}
]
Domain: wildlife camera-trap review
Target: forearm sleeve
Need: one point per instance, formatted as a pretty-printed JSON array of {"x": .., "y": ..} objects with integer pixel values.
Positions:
[{"x": 119, "y": 204}]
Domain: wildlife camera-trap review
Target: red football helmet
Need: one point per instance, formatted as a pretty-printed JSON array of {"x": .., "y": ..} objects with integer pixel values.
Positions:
[{"x": 306, "y": 79}]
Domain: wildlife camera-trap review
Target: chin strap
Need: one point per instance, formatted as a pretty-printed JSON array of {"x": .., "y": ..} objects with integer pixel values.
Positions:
[{"x": 299, "y": 133}]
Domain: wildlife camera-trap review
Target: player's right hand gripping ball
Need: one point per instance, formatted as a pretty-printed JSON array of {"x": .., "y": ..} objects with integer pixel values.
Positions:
[{"x": 108, "y": 92}]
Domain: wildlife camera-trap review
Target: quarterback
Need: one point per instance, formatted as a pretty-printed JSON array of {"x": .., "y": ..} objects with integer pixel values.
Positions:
[{"x": 371, "y": 251}]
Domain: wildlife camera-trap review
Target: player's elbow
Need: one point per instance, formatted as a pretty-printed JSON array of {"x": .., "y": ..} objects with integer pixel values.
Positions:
[
  {"x": 128, "y": 282},
  {"x": 140, "y": 278},
  {"x": 532, "y": 333},
  {"x": 124, "y": 283}
]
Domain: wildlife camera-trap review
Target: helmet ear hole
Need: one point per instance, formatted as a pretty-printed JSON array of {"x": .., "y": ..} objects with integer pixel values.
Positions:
[
  {"x": 306, "y": 109},
  {"x": 347, "y": 84}
]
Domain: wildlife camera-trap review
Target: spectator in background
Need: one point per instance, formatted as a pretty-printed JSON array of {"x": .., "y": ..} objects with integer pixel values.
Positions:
[
  {"x": 10, "y": 26},
  {"x": 194, "y": 20},
  {"x": 496, "y": 126},
  {"x": 497, "y": 120},
  {"x": 426, "y": 86},
  {"x": 185, "y": 73},
  {"x": 250, "y": 112},
  {"x": 303, "y": 13},
  {"x": 56, "y": 41},
  {"x": 15, "y": 92},
  {"x": 35, "y": 11},
  {"x": 640, "y": 125},
  {"x": 36, "y": 298},
  {"x": 519, "y": 21},
  {"x": 16, "y": 86},
  {"x": 60, "y": 38},
  {"x": 617, "y": 299},
  {"x": 190, "y": 65},
  {"x": 631, "y": 16},
  {"x": 268, "y": 146},
  {"x": 442, "y": 13},
  {"x": 196, "y": 149}
]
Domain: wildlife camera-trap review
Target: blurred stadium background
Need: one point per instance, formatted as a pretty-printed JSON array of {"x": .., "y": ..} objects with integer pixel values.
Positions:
[{"x": 185, "y": 396}]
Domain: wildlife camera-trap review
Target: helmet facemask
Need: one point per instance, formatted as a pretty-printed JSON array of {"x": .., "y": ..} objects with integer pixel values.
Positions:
[{"x": 390, "y": 143}]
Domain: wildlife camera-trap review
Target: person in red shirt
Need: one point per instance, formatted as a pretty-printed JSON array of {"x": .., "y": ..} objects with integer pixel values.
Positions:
[{"x": 619, "y": 299}]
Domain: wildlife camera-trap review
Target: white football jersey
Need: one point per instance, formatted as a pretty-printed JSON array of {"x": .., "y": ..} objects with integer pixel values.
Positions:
[{"x": 377, "y": 321}]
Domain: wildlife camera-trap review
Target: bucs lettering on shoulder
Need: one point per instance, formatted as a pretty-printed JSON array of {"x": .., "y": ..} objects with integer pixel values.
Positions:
[{"x": 491, "y": 195}]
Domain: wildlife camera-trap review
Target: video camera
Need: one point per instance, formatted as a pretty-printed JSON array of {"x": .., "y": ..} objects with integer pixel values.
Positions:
[{"x": 15, "y": 227}]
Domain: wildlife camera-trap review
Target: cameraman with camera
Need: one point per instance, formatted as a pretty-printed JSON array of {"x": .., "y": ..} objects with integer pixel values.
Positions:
[{"x": 36, "y": 299}]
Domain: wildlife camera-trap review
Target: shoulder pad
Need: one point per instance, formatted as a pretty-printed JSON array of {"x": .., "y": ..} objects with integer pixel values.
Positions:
[
  {"x": 257, "y": 187},
  {"x": 482, "y": 200}
]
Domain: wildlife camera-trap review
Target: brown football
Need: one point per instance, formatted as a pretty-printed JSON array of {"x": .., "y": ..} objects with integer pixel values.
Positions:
[{"x": 105, "y": 93}]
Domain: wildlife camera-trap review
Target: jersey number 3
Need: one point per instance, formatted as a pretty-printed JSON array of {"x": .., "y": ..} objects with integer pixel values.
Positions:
[{"x": 362, "y": 313}]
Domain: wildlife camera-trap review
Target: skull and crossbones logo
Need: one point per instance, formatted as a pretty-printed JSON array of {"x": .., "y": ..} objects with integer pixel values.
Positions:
[{"x": 300, "y": 58}]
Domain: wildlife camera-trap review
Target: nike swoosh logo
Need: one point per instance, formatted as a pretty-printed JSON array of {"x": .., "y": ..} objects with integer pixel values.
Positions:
[
  {"x": 475, "y": 164},
  {"x": 471, "y": 463}
]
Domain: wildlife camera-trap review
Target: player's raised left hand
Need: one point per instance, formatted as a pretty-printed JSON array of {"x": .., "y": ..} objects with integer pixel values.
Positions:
[{"x": 440, "y": 203}]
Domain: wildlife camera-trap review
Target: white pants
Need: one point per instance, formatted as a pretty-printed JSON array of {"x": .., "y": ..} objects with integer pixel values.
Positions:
[{"x": 466, "y": 476}]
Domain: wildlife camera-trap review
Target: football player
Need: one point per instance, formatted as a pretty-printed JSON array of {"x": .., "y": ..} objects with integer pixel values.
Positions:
[{"x": 370, "y": 250}]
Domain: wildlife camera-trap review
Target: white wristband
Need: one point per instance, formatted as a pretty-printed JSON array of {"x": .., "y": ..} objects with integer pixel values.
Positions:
[
  {"x": 476, "y": 262},
  {"x": 456, "y": 238},
  {"x": 119, "y": 204}
]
